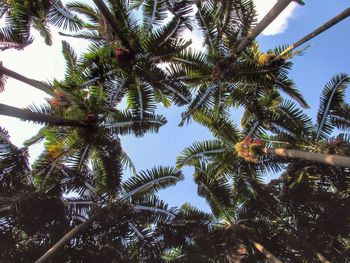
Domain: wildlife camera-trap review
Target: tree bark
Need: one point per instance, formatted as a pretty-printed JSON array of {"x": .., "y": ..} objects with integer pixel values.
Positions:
[
  {"x": 39, "y": 117},
  {"x": 330, "y": 159},
  {"x": 266, "y": 253},
  {"x": 36, "y": 84},
  {"x": 53, "y": 250},
  {"x": 265, "y": 22},
  {"x": 335, "y": 20}
]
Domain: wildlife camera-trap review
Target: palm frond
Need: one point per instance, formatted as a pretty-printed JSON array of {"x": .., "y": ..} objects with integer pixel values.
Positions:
[
  {"x": 60, "y": 16},
  {"x": 14, "y": 164},
  {"x": 70, "y": 57},
  {"x": 84, "y": 9},
  {"x": 140, "y": 99},
  {"x": 221, "y": 127},
  {"x": 332, "y": 95},
  {"x": 154, "y": 12},
  {"x": 150, "y": 181},
  {"x": 127, "y": 123},
  {"x": 216, "y": 191},
  {"x": 202, "y": 102},
  {"x": 200, "y": 151}
]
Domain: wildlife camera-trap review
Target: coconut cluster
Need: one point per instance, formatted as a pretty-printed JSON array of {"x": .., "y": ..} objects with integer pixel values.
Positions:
[{"x": 248, "y": 149}]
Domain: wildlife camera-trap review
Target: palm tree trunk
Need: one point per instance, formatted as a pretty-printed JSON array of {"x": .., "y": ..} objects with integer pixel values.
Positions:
[
  {"x": 330, "y": 159},
  {"x": 335, "y": 20},
  {"x": 266, "y": 253},
  {"x": 37, "y": 84},
  {"x": 112, "y": 22},
  {"x": 39, "y": 117},
  {"x": 265, "y": 22},
  {"x": 53, "y": 250}
]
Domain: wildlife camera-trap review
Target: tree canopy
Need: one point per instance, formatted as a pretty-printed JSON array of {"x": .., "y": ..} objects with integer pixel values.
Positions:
[{"x": 83, "y": 200}]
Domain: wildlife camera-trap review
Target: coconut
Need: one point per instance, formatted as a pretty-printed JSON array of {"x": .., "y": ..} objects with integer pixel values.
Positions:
[{"x": 265, "y": 58}]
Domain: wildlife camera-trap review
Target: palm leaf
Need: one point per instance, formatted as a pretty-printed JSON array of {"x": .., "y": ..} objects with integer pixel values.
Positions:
[
  {"x": 60, "y": 16},
  {"x": 150, "y": 181},
  {"x": 199, "y": 151},
  {"x": 332, "y": 96},
  {"x": 127, "y": 123}
]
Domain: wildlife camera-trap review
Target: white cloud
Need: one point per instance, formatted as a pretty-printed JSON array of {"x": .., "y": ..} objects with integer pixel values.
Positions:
[{"x": 280, "y": 24}]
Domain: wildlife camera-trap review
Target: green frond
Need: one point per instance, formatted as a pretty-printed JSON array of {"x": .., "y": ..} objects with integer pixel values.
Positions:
[
  {"x": 154, "y": 12},
  {"x": 44, "y": 31},
  {"x": 140, "y": 99},
  {"x": 79, "y": 206},
  {"x": 202, "y": 102},
  {"x": 332, "y": 96},
  {"x": 14, "y": 164},
  {"x": 221, "y": 127},
  {"x": 341, "y": 117},
  {"x": 92, "y": 36},
  {"x": 70, "y": 56},
  {"x": 287, "y": 86},
  {"x": 216, "y": 191},
  {"x": 292, "y": 120},
  {"x": 124, "y": 123},
  {"x": 162, "y": 40},
  {"x": 127, "y": 163},
  {"x": 10, "y": 38},
  {"x": 85, "y": 10},
  {"x": 36, "y": 138},
  {"x": 200, "y": 151},
  {"x": 182, "y": 10},
  {"x": 194, "y": 60},
  {"x": 60, "y": 16},
  {"x": 150, "y": 181},
  {"x": 205, "y": 17},
  {"x": 107, "y": 165},
  {"x": 154, "y": 208}
]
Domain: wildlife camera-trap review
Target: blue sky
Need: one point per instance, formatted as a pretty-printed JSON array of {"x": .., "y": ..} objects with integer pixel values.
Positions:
[{"x": 328, "y": 55}]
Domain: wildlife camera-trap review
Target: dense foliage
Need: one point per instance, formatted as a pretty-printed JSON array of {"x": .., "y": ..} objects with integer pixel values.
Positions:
[{"x": 75, "y": 203}]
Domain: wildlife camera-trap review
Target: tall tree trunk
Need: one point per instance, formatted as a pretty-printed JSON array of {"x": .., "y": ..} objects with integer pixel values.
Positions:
[
  {"x": 36, "y": 84},
  {"x": 112, "y": 22},
  {"x": 335, "y": 20},
  {"x": 331, "y": 159},
  {"x": 266, "y": 253},
  {"x": 53, "y": 250},
  {"x": 71, "y": 234},
  {"x": 265, "y": 22},
  {"x": 39, "y": 117}
]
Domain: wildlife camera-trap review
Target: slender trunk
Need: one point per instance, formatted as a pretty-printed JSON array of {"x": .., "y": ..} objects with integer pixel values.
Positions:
[
  {"x": 318, "y": 31},
  {"x": 112, "y": 22},
  {"x": 265, "y": 22},
  {"x": 331, "y": 159},
  {"x": 39, "y": 117},
  {"x": 266, "y": 253},
  {"x": 53, "y": 250},
  {"x": 36, "y": 84}
]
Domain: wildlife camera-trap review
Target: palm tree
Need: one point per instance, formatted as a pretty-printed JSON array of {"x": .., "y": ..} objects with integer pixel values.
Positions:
[
  {"x": 329, "y": 116},
  {"x": 240, "y": 241},
  {"x": 136, "y": 196},
  {"x": 40, "y": 212},
  {"x": 233, "y": 189},
  {"x": 135, "y": 49},
  {"x": 20, "y": 16},
  {"x": 216, "y": 72}
]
